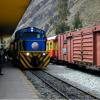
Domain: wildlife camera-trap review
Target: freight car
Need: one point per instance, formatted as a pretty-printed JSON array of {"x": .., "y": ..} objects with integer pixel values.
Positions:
[
  {"x": 51, "y": 47},
  {"x": 29, "y": 48},
  {"x": 81, "y": 47}
]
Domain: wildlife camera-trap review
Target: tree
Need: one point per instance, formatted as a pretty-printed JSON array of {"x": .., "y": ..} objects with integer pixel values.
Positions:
[
  {"x": 77, "y": 21},
  {"x": 62, "y": 13},
  {"x": 61, "y": 28}
]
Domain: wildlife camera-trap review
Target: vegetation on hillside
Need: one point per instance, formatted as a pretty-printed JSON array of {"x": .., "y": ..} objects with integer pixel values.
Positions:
[
  {"x": 77, "y": 21},
  {"x": 62, "y": 13}
]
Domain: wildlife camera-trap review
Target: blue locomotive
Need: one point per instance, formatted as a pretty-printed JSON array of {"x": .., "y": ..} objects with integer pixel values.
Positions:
[{"x": 29, "y": 48}]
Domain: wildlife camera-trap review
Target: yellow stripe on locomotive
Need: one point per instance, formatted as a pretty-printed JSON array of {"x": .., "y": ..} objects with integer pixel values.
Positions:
[{"x": 34, "y": 59}]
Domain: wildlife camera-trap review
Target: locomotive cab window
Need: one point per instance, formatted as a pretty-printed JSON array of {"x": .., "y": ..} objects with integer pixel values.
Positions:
[{"x": 28, "y": 35}]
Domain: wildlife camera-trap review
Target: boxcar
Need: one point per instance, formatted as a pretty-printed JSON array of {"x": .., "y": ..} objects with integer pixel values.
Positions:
[
  {"x": 81, "y": 47},
  {"x": 85, "y": 47}
]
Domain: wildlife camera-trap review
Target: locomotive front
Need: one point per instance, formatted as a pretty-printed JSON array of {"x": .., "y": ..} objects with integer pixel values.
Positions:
[{"x": 31, "y": 47}]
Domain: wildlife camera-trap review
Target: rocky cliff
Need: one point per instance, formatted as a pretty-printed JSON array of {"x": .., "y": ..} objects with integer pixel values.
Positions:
[
  {"x": 89, "y": 12},
  {"x": 42, "y": 13},
  {"x": 39, "y": 14}
]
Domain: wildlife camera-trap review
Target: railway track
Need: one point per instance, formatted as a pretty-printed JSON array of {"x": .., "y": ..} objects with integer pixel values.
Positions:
[
  {"x": 45, "y": 91},
  {"x": 65, "y": 89}
]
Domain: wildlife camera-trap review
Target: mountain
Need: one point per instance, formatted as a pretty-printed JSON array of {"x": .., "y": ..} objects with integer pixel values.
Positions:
[
  {"x": 39, "y": 14},
  {"x": 43, "y": 14},
  {"x": 89, "y": 11}
]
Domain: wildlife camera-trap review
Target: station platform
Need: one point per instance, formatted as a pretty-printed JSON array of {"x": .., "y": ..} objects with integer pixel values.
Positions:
[{"x": 14, "y": 85}]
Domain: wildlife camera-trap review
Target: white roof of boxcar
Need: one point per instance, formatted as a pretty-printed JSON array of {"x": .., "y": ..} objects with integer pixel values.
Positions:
[{"x": 51, "y": 38}]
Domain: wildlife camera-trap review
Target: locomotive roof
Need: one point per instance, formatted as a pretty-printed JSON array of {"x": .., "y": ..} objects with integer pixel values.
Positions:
[
  {"x": 31, "y": 29},
  {"x": 52, "y": 38}
]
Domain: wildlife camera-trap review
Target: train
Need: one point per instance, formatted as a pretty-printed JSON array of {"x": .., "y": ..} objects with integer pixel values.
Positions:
[
  {"x": 28, "y": 49},
  {"x": 80, "y": 47}
]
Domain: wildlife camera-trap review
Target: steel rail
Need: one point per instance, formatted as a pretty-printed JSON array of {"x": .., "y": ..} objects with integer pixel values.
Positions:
[
  {"x": 71, "y": 85},
  {"x": 66, "y": 97}
]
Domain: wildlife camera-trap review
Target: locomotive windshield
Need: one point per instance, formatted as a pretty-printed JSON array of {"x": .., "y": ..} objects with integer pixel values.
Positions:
[{"x": 28, "y": 35}]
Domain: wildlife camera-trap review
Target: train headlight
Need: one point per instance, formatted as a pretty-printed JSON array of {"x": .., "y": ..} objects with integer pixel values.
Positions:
[
  {"x": 44, "y": 54},
  {"x": 27, "y": 53},
  {"x": 35, "y": 45},
  {"x": 32, "y": 29}
]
